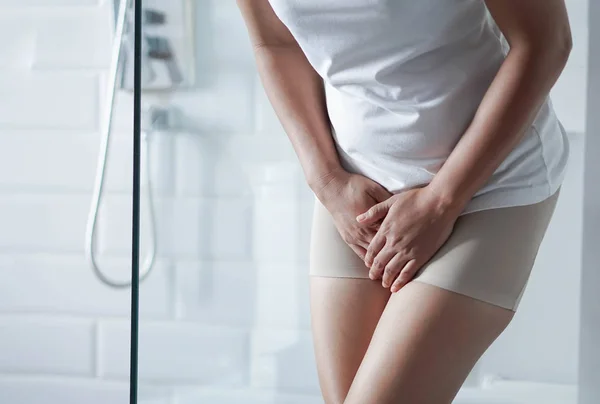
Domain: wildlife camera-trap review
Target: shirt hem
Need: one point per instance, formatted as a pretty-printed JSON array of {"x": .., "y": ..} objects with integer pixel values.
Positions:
[{"x": 506, "y": 198}]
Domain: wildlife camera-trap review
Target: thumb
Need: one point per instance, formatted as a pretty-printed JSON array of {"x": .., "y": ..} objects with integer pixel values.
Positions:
[{"x": 375, "y": 213}]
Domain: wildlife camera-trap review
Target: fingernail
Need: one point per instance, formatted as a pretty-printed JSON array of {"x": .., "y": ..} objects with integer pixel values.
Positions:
[{"x": 360, "y": 218}]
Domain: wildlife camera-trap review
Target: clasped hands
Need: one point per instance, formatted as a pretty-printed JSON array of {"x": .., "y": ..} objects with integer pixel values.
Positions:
[{"x": 394, "y": 234}]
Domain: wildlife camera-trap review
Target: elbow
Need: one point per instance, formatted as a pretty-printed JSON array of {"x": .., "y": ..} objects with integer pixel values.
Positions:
[
  {"x": 563, "y": 44},
  {"x": 558, "y": 45},
  {"x": 551, "y": 50}
]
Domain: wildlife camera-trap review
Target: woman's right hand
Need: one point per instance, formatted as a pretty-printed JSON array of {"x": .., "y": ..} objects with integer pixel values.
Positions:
[{"x": 346, "y": 195}]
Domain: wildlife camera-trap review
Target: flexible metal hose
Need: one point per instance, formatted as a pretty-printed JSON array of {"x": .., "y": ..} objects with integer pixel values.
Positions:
[{"x": 114, "y": 70}]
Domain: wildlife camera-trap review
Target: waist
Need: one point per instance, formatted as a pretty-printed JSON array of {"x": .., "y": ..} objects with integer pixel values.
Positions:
[{"x": 410, "y": 130}]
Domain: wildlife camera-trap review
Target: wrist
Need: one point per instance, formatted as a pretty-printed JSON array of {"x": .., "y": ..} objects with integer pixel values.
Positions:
[
  {"x": 447, "y": 200},
  {"x": 319, "y": 181}
]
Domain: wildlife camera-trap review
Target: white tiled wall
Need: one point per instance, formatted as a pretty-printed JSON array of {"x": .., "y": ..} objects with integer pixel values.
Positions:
[
  {"x": 225, "y": 311},
  {"x": 72, "y": 341}
]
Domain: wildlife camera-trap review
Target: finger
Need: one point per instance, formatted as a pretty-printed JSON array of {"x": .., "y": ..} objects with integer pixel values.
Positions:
[
  {"x": 407, "y": 273},
  {"x": 363, "y": 243},
  {"x": 380, "y": 193},
  {"x": 375, "y": 213},
  {"x": 359, "y": 250},
  {"x": 365, "y": 236},
  {"x": 379, "y": 263},
  {"x": 392, "y": 269},
  {"x": 373, "y": 249}
]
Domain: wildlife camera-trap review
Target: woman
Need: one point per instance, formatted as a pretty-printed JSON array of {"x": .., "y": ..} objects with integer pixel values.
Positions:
[{"x": 436, "y": 161}]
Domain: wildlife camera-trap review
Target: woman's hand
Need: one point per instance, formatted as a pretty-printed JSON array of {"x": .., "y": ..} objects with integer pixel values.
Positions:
[
  {"x": 415, "y": 225},
  {"x": 346, "y": 195}
]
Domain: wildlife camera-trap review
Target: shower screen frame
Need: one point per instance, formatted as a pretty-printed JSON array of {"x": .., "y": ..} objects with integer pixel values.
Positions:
[{"x": 136, "y": 191}]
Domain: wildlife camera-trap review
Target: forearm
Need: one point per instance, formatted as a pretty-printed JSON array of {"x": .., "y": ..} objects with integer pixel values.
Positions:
[
  {"x": 506, "y": 112},
  {"x": 296, "y": 93}
]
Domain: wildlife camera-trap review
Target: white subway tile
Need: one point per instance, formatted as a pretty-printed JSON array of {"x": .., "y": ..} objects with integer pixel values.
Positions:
[
  {"x": 114, "y": 226},
  {"x": 47, "y": 3},
  {"x": 216, "y": 293},
  {"x": 281, "y": 295},
  {"x": 46, "y": 345},
  {"x": 227, "y": 231},
  {"x": 119, "y": 164},
  {"x": 19, "y": 51},
  {"x": 189, "y": 227},
  {"x": 281, "y": 211},
  {"x": 248, "y": 396},
  {"x": 205, "y": 167},
  {"x": 578, "y": 19},
  {"x": 159, "y": 162},
  {"x": 256, "y": 152},
  {"x": 267, "y": 122},
  {"x": 227, "y": 27},
  {"x": 210, "y": 164},
  {"x": 222, "y": 102},
  {"x": 305, "y": 192},
  {"x": 44, "y": 162},
  {"x": 44, "y": 390},
  {"x": 122, "y": 119},
  {"x": 243, "y": 294},
  {"x": 283, "y": 360},
  {"x": 73, "y": 37},
  {"x": 154, "y": 395},
  {"x": 43, "y": 223},
  {"x": 177, "y": 352},
  {"x": 49, "y": 284},
  {"x": 569, "y": 99},
  {"x": 57, "y": 162},
  {"x": 115, "y": 221},
  {"x": 48, "y": 100},
  {"x": 276, "y": 225}
]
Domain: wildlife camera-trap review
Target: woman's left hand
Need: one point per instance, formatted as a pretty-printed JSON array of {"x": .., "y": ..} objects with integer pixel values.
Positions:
[{"x": 415, "y": 225}]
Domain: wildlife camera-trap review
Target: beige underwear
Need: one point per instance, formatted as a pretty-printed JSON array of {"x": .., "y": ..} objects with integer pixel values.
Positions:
[{"x": 488, "y": 256}]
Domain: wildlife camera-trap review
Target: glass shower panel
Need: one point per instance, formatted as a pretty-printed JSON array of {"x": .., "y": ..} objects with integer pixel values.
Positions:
[
  {"x": 225, "y": 310},
  {"x": 56, "y": 313}
]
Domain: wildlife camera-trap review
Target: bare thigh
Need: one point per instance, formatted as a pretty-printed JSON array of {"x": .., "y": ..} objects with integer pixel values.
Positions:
[
  {"x": 427, "y": 341},
  {"x": 344, "y": 314}
]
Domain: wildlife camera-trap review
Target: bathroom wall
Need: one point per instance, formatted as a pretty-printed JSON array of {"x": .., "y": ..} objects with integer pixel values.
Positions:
[
  {"x": 225, "y": 311},
  {"x": 589, "y": 352}
]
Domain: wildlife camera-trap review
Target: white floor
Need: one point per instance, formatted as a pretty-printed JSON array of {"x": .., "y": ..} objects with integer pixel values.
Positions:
[
  {"x": 496, "y": 392},
  {"x": 516, "y": 392}
]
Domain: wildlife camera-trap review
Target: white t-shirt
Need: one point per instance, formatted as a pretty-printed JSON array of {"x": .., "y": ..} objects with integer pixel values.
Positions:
[{"x": 403, "y": 80}]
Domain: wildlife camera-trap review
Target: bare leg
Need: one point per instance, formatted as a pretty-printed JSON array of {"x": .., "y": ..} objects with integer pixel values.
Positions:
[
  {"x": 344, "y": 314},
  {"x": 427, "y": 341}
]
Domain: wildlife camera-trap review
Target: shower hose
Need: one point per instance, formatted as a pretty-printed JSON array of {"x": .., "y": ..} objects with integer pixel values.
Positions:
[{"x": 90, "y": 238}]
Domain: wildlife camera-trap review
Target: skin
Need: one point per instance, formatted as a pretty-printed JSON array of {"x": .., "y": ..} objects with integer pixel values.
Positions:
[
  {"x": 411, "y": 335},
  {"x": 296, "y": 93},
  {"x": 539, "y": 52}
]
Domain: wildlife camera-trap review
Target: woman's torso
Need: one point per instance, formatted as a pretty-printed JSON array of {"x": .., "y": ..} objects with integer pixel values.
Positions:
[{"x": 403, "y": 80}]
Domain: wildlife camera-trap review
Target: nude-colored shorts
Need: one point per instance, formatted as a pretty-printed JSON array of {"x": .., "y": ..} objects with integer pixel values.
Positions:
[{"x": 488, "y": 256}]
